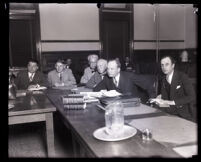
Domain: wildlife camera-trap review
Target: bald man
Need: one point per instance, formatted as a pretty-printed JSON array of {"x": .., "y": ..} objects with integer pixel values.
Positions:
[
  {"x": 89, "y": 71},
  {"x": 99, "y": 74},
  {"x": 124, "y": 82}
]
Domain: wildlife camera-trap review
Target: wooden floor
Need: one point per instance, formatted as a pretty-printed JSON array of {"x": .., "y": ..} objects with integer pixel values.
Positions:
[{"x": 28, "y": 140}]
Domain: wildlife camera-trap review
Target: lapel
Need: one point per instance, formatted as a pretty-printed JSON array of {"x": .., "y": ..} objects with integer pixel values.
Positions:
[
  {"x": 121, "y": 82},
  {"x": 173, "y": 84}
]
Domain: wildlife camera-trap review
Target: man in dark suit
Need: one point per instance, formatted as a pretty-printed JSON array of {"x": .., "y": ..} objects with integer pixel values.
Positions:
[
  {"x": 30, "y": 78},
  {"x": 177, "y": 93},
  {"x": 124, "y": 82}
]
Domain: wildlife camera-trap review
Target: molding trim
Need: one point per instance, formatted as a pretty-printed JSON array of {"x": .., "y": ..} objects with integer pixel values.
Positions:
[
  {"x": 159, "y": 40},
  {"x": 68, "y": 41}
]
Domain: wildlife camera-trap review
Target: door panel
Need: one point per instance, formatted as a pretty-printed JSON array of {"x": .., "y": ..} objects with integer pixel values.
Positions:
[
  {"x": 115, "y": 35},
  {"x": 22, "y": 41}
]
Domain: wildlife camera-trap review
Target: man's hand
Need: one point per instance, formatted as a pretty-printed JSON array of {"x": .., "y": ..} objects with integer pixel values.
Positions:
[
  {"x": 160, "y": 101},
  {"x": 33, "y": 86}
]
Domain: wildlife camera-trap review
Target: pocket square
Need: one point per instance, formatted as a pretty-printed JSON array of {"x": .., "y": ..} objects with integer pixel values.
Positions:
[{"x": 178, "y": 87}]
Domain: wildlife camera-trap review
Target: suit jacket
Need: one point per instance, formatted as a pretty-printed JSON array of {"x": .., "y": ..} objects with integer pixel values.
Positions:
[
  {"x": 67, "y": 78},
  {"x": 182, "y": 92},
  {"x": 94, "y": 80},
  {"x": 87, "y": 75},
  {"x": 22, "y": 80},
  {"x": 128, "y": 83}
]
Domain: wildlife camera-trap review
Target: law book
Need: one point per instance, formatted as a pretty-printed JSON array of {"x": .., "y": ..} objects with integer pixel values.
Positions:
[
  {"x": 74, "y": 106},
  {"x": 72, "y": 99}
]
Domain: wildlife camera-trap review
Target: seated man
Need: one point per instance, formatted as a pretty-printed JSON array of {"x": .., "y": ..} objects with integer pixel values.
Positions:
[
  {"x": 30, "y": 78},
  {"x": 61, "y": 76},
  {"x": 177, "y": 93},
  {"x": 89, "y": 71},
  {"x": 99, "y": 74},
  {"x": 123, "y": 82}
]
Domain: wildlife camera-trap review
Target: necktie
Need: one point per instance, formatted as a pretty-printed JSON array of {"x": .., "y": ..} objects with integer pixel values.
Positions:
[
  {"x": 31, "y": 77},
  {"x": 115, "y": 82},
  {"x": 60, "y": 77}
]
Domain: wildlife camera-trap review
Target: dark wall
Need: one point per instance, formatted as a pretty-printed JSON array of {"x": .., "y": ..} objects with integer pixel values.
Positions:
[{"x": 79, "y": 61}]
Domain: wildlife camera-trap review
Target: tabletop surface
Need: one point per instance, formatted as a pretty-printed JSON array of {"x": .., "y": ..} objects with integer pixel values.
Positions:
[
  {"x": 84, "y": 122},
  {"x": 31, "y": 103}
]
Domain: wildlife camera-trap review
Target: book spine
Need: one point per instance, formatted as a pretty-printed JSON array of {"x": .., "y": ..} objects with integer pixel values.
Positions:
[
  {"x": 72, "y": 100},
  {"x": 74, "y": 106}
]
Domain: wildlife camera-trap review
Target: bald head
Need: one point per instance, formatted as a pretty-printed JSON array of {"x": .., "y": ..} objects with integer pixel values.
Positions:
[{"x": 101, "y": 66}]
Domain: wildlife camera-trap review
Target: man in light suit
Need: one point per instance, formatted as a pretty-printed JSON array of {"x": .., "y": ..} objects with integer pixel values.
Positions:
[
  {"x": 124, "y": 82},
  {"x": 89, "y": 71},
  {"x": 30, "y": 78},
  {"x": 177, "y": 92},
  {"x": 99, "y": 74},
  {"x": 61, "y": 76}
]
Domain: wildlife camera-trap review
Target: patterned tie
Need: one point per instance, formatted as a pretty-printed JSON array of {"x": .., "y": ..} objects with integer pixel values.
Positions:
[
  {"x": 60, "y": 76},
  {"x": 115, "y": 82},
  {"x": 31, "y": 77}
]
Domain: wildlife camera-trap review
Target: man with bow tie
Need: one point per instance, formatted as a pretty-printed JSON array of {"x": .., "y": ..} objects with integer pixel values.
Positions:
[
  {"x": 124, "y": 82},
  {"x": 89, "y": 71},
  {"x": 177, "y": 92},
  {"x": 31, "y": 78}
]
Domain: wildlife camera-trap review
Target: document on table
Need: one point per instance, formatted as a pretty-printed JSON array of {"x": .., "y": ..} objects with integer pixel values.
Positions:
[
  {"x": 187, "y": 151},
  {"x": 37, "y": 88},
  {"x": 168, "y": 129}
]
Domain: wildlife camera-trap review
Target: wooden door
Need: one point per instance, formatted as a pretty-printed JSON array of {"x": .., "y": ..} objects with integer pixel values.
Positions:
[
  {"x": 23, "y": 34},
  {"x": 116, "y": 34}
]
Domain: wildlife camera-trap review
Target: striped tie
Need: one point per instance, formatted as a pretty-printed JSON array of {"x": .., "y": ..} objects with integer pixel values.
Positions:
[
  {"x": 31, "y": 77},
  {"x": 115, "y": 82}
]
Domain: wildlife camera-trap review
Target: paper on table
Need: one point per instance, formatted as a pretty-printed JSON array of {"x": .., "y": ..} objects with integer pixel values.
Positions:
[
  {"x": 37, "y": 89},
  {"x": 142, "y": 109},
  {"x": 92, "y": 94},
  {"x": 168, "y": 129},
  {"x": 186, "y": 151},
  {"x": 111, "y": 93}
]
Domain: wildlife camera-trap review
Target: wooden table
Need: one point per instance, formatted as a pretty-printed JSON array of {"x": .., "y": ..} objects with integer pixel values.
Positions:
[
  {"x": 82, "y": 124},
  {"x": 34, "y": 108}
]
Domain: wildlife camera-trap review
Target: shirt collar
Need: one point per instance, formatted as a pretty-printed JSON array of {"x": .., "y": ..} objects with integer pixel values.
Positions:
[
  {"x": 117, "y": 78},
  {"x": 170, "y": 76}
]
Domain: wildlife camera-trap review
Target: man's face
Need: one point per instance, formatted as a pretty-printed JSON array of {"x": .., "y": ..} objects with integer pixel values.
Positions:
[
  {"x": 32, "y": 67},
  {"x": 167, "y": 66},
  {"x": 101, "y": 67},
  {"x": 59, "y": 67},
  {"x": 68, "y": 62},
  {"x": 92, "y": 63},
  {"x": 112, "y": 69}
]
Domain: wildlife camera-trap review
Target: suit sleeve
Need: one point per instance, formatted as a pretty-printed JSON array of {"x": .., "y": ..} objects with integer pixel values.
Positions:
[
  {"x": 42, "y": 80},
  {"x": 100, "y": 86},
  {"x": 91, "y": 83},
  {"x": 189, "y": 93},
  {"x": 145, "y": 83},
  {"x": 71, "y": 79},
  {"x": 85, "y": 77}
]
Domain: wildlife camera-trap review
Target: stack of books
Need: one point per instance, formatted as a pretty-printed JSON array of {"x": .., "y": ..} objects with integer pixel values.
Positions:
[{"x": 75, "y": 102}]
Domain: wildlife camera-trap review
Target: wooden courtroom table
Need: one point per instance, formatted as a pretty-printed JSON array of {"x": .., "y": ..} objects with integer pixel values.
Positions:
[
  {"x": 82, "y": 124},
  {"x": 30, "y": 108}
]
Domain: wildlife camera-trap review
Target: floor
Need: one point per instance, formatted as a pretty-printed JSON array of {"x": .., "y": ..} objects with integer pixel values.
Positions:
[{"x": 28, "y": 140}]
